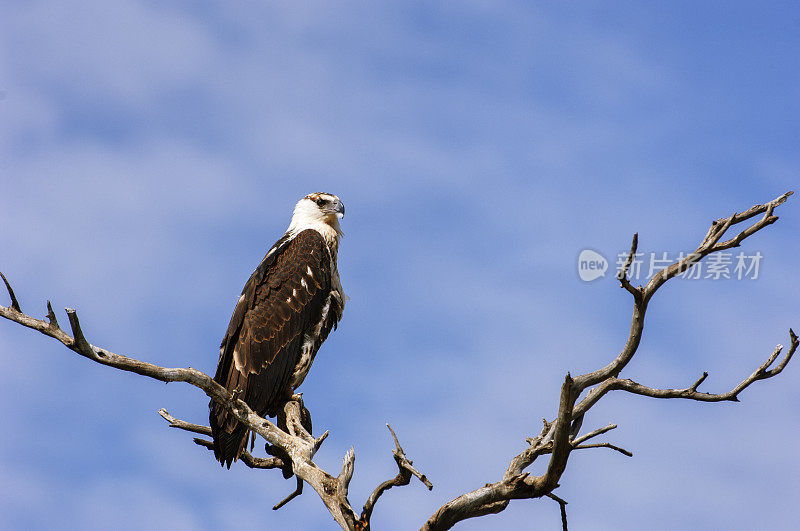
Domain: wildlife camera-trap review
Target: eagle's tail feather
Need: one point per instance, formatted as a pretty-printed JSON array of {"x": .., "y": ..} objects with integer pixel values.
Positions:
[{"x": 228, "y": 445}]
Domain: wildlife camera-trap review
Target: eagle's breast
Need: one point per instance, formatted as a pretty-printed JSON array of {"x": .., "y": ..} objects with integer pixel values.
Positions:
[{"x": 329, "y": 316}]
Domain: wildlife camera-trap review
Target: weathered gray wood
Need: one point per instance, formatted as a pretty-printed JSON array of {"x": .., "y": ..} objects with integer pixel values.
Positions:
[{"x": 294, "y": 447}]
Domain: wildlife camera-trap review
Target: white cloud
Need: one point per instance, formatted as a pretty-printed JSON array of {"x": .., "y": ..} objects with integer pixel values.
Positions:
[{"x": 152, "y": 154}]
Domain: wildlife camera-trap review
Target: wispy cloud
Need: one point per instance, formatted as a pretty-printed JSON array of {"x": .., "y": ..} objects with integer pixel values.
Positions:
[{"x": 151, "y": 154}]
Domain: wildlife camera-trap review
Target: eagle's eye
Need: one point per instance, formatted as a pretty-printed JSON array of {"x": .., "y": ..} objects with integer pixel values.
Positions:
[{"x": 321, "y": 201}]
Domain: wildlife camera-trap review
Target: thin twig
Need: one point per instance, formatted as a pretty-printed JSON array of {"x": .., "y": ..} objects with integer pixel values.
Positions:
[
  {"x": 405, "y": 471},
  {"x": 563, "y": 506},
  {"x": 623, "y": 451},
  {"x": 297, "y": 492},
  {"x": 14, "y": 301},
  {"x": 622, "y": 275},
  {"x": 246, "y": 457},
  {"x": 594, "y": 433},
  {"x": 183, "y": 425}
]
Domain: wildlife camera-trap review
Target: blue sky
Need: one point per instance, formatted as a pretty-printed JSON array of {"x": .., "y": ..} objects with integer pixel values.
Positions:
[{"x": 151, "y": 153}]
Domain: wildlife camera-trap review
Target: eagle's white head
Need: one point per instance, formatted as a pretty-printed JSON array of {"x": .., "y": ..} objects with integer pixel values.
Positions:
[{"x": 321, "y": 212}]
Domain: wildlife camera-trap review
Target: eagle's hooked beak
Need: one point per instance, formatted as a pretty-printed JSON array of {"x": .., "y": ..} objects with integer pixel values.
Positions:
[{"x": 339, "y": 209}]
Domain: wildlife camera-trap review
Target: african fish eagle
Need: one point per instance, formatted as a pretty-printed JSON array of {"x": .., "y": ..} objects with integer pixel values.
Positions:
[{"x": 287, "y": 308}]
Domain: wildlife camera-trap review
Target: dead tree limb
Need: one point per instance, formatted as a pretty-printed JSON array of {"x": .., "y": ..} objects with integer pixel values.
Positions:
[
  {"x": 560, "y": 436},
  {"x": 403, "y": 477},
  {"x": 293, "y": 450},
  {"x": 296, "y": 444}
]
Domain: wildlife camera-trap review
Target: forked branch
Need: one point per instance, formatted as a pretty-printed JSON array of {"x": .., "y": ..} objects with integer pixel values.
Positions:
[
  {"x": 294, "y": 447},
  {"x": 560, "y": 436},
  {"x": 296, "y": 444},
  {"x": 247, "y": 458},
  {"x": 403, "y": 477}
]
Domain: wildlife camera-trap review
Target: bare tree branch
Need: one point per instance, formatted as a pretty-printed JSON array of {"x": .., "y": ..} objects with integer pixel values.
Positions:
[
  {"x": 563, "y": 506},
  {"x": 293, "y": 446},
  {"x": 691, "y": 393},
  {"x": 555, "y": 437},
  {"x": 622, "y": 276},
  {"x": 14, "y": 302},
  {"x": 298, "y": 445},
  {"x": 183, "y": 425},
  {"x": 348, "y": 466},
  {"x": 623, "y": 451},
  {"x": 247, "y": 458},
  {"x": 710, "y": 244},
  {"x": 594, "y": 433},
  {"x": 298, "y": 490},
  {"x": 517, "y": 484},
  {"x": 403, "y": 477}
]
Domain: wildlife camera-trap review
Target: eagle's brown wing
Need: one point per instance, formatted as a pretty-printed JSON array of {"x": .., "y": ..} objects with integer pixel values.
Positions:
[{"x": 281, "y": 303}]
